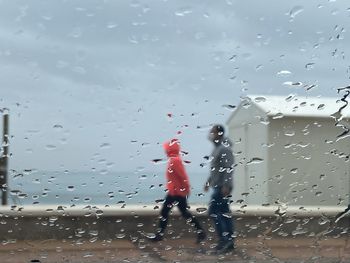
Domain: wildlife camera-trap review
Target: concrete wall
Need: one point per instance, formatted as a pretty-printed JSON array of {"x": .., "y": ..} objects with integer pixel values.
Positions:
[
  {"x": 134, "y": 223},
  {"x": 307, "y": 166}
]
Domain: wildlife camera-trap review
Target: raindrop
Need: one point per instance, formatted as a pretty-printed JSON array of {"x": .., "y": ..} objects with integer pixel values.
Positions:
[
  {"x": 76, "y": 32},
  {"x": 290, "y": 83},
  {"x": 284, "y": 72},
  {"x": 92, "y": 240},
  {"x": 22, "y": 195},
  {"x": 289, "y": 133},
  {"x": 309, "y": 66},
  {"x": 294, "y": 170},
  {"x": 259, "y": 99},
  {"x": 278, "y": 116},
  {"x": 323, "y": 221},
  {"x": 50, "y": 147},
  {"x": 157, "y": 160},
  {"x": 58, "y": 126},
  {"x": 111, "y": 25},
  {"x": 318, "y": 193},
  {"x": 183, "y": 12},
  {"x": 99, "y": 212},
  {"x": 70, "y": 188},
  {"x": 229, "y": 107},
  {"x": 255, "y": 160},
  {"x": 105, "y": 145},
  {"x": 15, "y": 192},
  {"x": 143, "y": 177},
  {"x": 321, "y": 107},
  {"x": 290, "y": 97},
  {"x": 295, "y": 11},
  {"x": 258, "y": 67},
  {"x": 120, "y": 236},
  {"x": 201, "y": 210}
]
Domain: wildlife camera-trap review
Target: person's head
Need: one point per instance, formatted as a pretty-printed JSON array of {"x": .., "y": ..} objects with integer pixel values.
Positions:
[
  {"x": 216, "y": 133},
  {"x": 172, "y": 147}
]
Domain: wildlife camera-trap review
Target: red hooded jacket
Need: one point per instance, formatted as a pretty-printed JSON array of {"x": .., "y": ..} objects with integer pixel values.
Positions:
[{"x": 177, "y": 179}]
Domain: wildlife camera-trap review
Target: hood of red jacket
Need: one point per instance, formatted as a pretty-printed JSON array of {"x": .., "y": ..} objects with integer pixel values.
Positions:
[{"x": 172, "y": 147}]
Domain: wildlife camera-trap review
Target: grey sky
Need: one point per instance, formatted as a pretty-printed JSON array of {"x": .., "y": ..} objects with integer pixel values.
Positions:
[{"x": 78, "y": 75}]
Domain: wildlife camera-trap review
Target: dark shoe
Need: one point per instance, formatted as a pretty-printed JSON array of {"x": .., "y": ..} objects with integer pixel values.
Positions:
[
  {"x": 201, "y": 236},
  {"x": 226, "y": 247}
]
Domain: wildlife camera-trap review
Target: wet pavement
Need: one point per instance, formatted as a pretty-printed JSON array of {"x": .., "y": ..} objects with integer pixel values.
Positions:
[{"x": 250, "y": 250}]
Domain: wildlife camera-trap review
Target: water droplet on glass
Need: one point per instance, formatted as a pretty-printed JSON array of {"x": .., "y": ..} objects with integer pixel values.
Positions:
[
  {"x": 309, "y": 66},
  {"x": 76, "y": 32},
  {"x": 201, "y": 210},
  {"x": 105, "y": 145},
  {"x": 290, "y": 83},
  {"x": 278, "y": 116},
  {"x": 289, "y": 133},
  {"x": 284, "y": 72},
  {"x": 58, "y": 126},
  {"x": 294, "y": 170},
  {"x": 290, "y": 97},
  {"x": 255, "y": 160},
  {"x": 156, "y": 161},
  {"x": 50, "y": 147},
  {"x": 259, "y": 99},
  {"x": 229, "y": 107},
  {"x": 111, "y": 25},
  {"x": 296, "y": 10},
  {"x": 183, "y": 11},
  {"x": 143, "y": 177},
  {"x": 321, "y": 107}
]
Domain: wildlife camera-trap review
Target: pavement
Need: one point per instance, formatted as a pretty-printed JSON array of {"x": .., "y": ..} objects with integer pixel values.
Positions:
[{"x": 137, "y": 249}]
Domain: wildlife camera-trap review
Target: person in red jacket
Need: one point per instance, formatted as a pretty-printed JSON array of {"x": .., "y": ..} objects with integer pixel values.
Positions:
[{"x": 178, "y": 187}]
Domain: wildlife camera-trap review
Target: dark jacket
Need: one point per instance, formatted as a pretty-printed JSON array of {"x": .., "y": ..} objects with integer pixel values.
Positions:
[{"x": 221, "y": 168}]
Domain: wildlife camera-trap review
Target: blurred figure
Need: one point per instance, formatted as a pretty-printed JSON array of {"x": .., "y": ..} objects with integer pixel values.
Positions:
[
  {"x": 178, "y": 187},
  {"x": 221, "y": 181}
]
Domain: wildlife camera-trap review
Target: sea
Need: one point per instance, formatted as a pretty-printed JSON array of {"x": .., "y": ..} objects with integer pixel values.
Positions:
[{"x": 92, "y": 188}]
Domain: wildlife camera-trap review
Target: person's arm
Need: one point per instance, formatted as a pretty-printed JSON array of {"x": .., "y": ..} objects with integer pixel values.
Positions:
[
  {"x": 209, "y": 181},
  {"x": 226, "y": 170},
  {"x": 181, "y": 176}
]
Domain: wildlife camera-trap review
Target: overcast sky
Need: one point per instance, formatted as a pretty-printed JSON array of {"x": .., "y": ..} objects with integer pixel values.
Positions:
[{"x": 90, "y": 84}]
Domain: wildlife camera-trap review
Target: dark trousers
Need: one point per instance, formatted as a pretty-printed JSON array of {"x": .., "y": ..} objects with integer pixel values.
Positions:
[
  {"x": 181, "y": 202},
  {"x": 219, "y": 211}
]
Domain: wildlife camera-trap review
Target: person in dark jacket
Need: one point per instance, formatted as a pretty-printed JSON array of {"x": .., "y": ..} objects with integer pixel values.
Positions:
[
  {"x": 178, "y": 187},
  {"x": 221, "y": 182}
]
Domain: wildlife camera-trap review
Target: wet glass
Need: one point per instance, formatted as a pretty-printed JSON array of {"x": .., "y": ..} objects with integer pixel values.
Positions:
[{"x": 94, "y": 88}]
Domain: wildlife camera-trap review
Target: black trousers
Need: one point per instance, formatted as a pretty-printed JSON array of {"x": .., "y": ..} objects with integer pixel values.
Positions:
[{"x": 181, "y": 202}]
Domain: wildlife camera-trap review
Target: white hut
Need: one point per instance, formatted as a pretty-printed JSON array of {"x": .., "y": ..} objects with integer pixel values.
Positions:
[{"x": 288, "y": 150}]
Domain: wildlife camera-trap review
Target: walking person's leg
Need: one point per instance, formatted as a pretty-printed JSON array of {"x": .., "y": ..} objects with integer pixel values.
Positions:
[
  {"x": 164, "y": 214},
  {"x": 227, "y": 223},
  {"x": 182, "y": 205},
  {"x": 215, "y": 213},
  {"x": 219, "y": 210}
]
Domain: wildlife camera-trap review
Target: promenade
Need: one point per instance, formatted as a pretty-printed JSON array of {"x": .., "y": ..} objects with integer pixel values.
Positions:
[
  {"x": 114, "y": 234},
  {"x": 177, "y": 250}
]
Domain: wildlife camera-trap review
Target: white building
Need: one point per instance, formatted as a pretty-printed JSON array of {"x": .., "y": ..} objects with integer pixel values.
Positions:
[{"x": 287, "y": 150}]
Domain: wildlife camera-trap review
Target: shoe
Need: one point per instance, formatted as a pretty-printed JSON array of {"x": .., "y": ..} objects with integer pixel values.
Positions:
[
  {"x": 225, "y": 247},
  {"x": 201, "y": 236}
]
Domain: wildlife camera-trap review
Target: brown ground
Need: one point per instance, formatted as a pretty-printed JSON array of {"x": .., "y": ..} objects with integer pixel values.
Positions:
[{"x": 177, "y": 250}]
